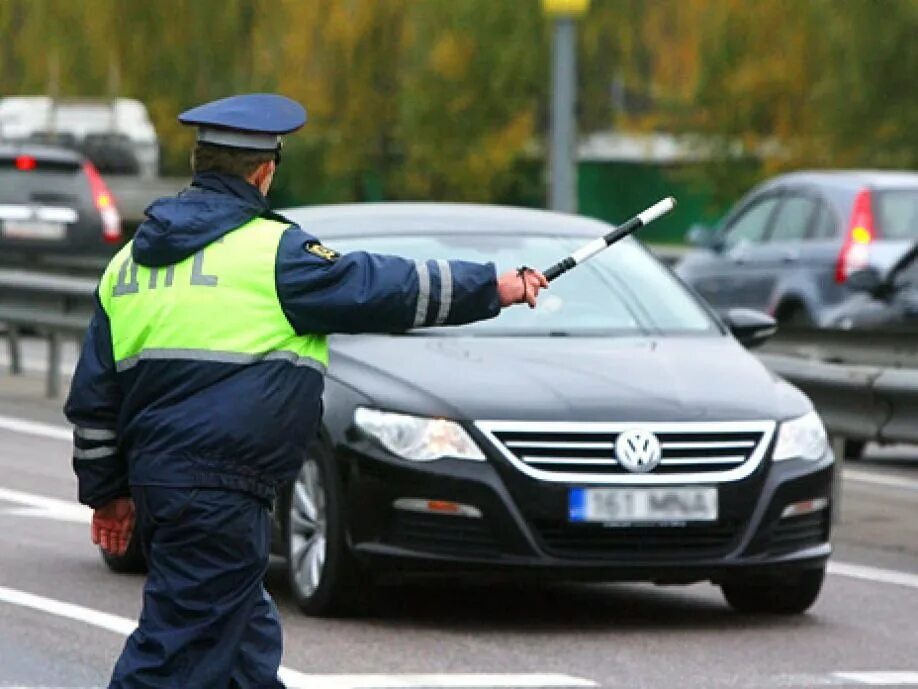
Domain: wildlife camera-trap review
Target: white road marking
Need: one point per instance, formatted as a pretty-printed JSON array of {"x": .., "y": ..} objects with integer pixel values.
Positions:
[
  {"x": 880, "y": 678},
  {"x": 888, "y": 480},
  {"x": 44, "y": 507},
  {"x": 42, "y": 430},
  {"x": 300, "y": 680},
  {"x": 883, "y": 576}
]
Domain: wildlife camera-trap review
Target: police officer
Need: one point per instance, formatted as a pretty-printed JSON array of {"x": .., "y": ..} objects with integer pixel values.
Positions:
[{"x": 199, "y": 389}]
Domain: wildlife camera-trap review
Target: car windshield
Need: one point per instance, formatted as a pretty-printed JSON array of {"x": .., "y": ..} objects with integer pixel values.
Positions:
[{"x": 621, "y": 291}]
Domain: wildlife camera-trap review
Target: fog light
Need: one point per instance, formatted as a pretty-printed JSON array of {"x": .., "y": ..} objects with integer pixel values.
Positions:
[
  {"x": 455, "y": 509},
  {"x": 798, "y": 509}
]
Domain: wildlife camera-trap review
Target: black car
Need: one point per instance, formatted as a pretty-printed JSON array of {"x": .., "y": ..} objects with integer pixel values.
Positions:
[
  {"x": 54, "y": 203},
  {"x": 617, "y": 432},
  {"x": 882, "y": 299},
  {"x": 789, "y": 246}
]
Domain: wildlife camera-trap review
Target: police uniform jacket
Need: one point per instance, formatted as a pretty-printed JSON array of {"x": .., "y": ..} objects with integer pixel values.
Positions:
[{"x": 232, "y": 410}]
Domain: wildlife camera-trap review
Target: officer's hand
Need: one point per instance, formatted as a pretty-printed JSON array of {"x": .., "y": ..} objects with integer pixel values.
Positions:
[
  {"x": 515, "y": 287},
  {"x": 112, "y": 525}
]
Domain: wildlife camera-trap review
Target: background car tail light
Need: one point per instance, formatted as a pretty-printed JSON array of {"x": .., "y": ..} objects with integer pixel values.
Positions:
[
  {"x": 855, "y": 251},
  {"x": 102, "y": 197},
  {"x": 25, "y": 163}
]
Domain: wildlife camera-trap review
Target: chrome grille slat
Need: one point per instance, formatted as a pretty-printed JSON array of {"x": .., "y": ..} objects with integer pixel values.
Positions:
[
  {"x": 526, "y": 444},
  {"x": 569, "y": 460},
  {"x": 583, "y": 452},
  {"x": 702, "y": 445},
  {"x": 670, "y": 461}
]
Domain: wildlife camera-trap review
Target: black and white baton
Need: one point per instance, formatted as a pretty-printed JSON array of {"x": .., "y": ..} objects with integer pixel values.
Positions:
[{"x": 587, "y": 251}]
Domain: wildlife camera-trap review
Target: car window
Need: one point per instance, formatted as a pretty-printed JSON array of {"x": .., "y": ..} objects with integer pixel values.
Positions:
[
  {"x": 750, "y": 226},
  {"x": 792, "y": 219},
  {"x": 621, "y": 291},
  {"x": 824, "y": 226},
  {"x": 63, "y": 183},
  {"x": 898, "y": 213}
]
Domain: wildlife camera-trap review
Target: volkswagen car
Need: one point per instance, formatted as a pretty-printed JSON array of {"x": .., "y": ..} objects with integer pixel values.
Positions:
[{"x": 619, "y": 431}]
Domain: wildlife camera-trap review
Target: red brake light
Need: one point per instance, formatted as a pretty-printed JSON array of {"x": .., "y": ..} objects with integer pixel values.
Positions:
[
  {"x": 26, "y": 163},
  {"x": 855, "y": 252},
  {"x": 102, "y": 197}
]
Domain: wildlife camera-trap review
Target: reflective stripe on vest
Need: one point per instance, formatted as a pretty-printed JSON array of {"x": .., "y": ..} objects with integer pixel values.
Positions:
[{"x": 218, "y": 305}]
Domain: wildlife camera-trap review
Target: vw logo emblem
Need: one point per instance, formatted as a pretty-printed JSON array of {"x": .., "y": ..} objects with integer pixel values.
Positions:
[{"x": 638, "y": 450}]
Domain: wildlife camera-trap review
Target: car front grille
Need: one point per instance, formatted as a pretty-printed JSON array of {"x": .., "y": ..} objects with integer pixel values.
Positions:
[
  {"x": 585, "y": 452},
  {"x": 600, "y": 542}
]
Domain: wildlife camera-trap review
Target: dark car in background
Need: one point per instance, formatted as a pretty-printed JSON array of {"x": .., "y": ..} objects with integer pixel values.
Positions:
[
  {"x": 53, "y": 204},
  {"x": 789, "y": 246},
  {"x": 880, "y": 299},
  {"x": 617, "y": 432}
]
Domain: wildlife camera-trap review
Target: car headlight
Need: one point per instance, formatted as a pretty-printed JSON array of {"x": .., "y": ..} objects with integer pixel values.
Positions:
[
  {"x": 417, "y": 438},
  {"x": 801, "y": 438}
]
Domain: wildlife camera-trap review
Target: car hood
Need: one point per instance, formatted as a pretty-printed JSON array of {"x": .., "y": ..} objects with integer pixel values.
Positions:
[{"x": 703, "y": 378}]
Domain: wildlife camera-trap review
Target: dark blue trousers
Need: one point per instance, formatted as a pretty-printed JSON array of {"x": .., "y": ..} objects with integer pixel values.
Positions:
[{"x": 207, "y": 621}]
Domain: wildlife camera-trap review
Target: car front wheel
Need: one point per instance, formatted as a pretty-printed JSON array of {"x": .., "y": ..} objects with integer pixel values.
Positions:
[
  {"x": 321, "y": 569},
  {"x": 786, "y": 595},
  {"x": 132, "y": 562}
]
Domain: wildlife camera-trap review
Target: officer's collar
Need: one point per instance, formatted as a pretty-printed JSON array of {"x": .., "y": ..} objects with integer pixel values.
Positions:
[{"x": 232, "y": 185}]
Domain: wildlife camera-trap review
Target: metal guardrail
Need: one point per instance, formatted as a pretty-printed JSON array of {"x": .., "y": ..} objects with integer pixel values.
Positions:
[
  {"x": 864, "y": 383},
  {"x": 53, "y": 306},
  {"x": 134, "y": 194}
]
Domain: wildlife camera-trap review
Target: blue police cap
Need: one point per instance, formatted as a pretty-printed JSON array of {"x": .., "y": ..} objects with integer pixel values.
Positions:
[{"x": 253, "y": 120}]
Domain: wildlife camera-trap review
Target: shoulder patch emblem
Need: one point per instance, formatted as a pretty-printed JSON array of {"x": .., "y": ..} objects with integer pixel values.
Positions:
[{"x": 322, "y": 251}]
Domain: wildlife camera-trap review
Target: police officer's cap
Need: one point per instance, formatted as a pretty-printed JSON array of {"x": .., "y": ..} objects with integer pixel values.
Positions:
[{"x": 253, "y": 121}]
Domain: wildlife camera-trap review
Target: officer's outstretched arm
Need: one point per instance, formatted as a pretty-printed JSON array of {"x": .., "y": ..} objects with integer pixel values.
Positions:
[
  {"x": 92, "y": 407},
  {"x": 324, "y": 292}
]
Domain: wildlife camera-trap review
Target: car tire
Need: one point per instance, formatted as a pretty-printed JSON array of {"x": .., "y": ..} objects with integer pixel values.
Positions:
[
  {"x": 132, "y": 562},
  {"x": 785, "y": 595},
  {"x": 854, "y": 449},
  {"x": 795, "y": 317},
  {"x": 323, "y": 573}
]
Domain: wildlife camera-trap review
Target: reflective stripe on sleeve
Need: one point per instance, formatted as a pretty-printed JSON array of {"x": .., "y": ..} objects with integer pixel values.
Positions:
[
  {"x": 95, "y": 453},
  {"x": 446, "y": 291},
  {"x": 94, "y": 433},
  {"x": 208, "y": 355},
  {"x": 420, "y": 313}
]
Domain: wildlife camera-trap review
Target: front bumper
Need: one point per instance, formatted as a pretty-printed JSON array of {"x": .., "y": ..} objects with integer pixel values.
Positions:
[{"x": 523, "y": 528}]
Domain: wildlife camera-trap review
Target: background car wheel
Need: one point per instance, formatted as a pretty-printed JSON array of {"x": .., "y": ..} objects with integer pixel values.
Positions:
[
  {"x": 854, "y": 449},
  {"x": 322, "y": 571},
  {"x": 788, "y": 595},
  {"x": 132, "y": 562},
  {"x": 795, "y": 316}
]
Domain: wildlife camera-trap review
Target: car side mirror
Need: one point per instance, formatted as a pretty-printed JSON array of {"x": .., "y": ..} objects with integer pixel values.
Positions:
[
  {"x": 866, "y": 280},
  {"x": 699, "y": 235},
  {"x": 751, "y": 328}
]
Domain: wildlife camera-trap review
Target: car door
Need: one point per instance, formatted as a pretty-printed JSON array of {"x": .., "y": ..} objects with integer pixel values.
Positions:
[
  {"x": 742, "y": 243},
  {"x": 779, "y": 265}
]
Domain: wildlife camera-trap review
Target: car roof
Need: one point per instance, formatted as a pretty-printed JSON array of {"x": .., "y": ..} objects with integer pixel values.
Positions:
[
  {"x": 383, "y": 219},
  {"x": 56, "y": 154},
  {"x": 847, "y": 179}
]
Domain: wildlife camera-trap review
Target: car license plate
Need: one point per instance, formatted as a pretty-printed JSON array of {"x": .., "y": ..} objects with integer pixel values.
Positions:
[
  {"x": 643, "y": 505},
  {"x": 34, "y": 229}
]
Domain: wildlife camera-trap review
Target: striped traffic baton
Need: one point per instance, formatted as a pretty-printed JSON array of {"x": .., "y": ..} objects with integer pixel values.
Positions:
[{"x": 587, "y": 251}]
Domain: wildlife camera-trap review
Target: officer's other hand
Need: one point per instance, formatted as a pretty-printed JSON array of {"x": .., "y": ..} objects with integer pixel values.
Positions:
[
  {"x": 113, "y": 524},
  {"x": 514, "y": 287}
]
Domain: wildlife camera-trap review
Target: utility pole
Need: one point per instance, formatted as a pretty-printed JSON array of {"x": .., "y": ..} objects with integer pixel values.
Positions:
[{"x": 562, "y": 176}]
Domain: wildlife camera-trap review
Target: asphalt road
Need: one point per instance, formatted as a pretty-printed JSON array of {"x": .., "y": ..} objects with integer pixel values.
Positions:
[{"x": 862, "y": 631}]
